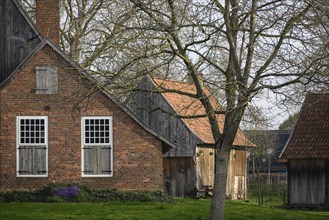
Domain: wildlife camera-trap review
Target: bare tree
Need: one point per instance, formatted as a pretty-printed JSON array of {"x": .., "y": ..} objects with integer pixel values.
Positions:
[
  {"x": 267, "y": 45},
  {"x": 239, "y": 48}
]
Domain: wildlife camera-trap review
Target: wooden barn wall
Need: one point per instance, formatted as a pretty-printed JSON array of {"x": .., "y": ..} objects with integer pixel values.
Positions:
[
  {"x": 17, "y": 38},
  {"x": 236, "y": 176},
  {"x": 179, "y": 176},
  {"x": 308, "y": 182},
  {"x": 205, "y": 159},
  {"x": 167, "y": 125}
]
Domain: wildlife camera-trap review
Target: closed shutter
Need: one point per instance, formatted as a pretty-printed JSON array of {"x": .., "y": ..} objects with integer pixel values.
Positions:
[
  {"x": 88, "y": 161},
  {"x": 25, "y": 158},
  {"x": 32, "y": 160},
  {"x": 39, "y": 166},
  {"x": 105, "y": 160},
  {"x": 97, "y": 160},
  {"x": 46, "y": 80}
]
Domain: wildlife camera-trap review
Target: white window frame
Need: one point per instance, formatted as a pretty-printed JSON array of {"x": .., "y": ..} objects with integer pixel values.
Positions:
[
  {"x": 83, "y": 144},
  {"x": 19, "y": 144}
]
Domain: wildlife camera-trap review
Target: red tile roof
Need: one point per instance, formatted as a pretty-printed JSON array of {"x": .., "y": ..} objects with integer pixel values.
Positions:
[
  {"x": 310, "y": 138},
  {"x": 187, "y": 106}
]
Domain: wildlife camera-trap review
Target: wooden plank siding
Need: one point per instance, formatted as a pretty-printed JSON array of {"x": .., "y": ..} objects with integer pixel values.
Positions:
[
  {"x": 236, "y": 176},
  {"x": 17, "y": 38},
  {"x": 169, "y": 126},
  {"x": 205, "y": 159},
  {"x": 179, "y": 176},
  {"x": 308, "y": 182}
]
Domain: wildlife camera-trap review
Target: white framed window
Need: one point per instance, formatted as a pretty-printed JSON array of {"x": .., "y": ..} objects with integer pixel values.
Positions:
[
  {"x": 97, "y": 146},
  {"x": 32, "y": 146}
]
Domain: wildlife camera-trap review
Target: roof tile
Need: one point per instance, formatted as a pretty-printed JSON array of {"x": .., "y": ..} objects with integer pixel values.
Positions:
[
  {"x": 187, "y": 106},
  {"x": 310, "y": 138}
]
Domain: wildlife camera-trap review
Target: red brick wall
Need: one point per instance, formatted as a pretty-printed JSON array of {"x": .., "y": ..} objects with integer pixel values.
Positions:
[
  {"x": 47, "y": 19},
  {"x": 137, "y": 154}
]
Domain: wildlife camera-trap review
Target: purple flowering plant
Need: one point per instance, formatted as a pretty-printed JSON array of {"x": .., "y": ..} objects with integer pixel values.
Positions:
[{"x": 67, "y": 192}]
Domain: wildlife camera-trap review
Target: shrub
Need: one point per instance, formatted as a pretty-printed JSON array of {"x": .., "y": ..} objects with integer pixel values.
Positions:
[
  {"x": 67, "y": 192},
  {"x": 74, "y": 193}
]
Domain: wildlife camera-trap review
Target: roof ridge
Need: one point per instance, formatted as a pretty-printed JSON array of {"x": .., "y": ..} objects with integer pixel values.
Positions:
[{"x": 172, "y": 80}]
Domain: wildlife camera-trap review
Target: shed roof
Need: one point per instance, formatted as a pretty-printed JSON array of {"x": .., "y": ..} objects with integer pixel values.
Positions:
[
  {"x": 187, "y": 106},
  {"x": 310, "y": 138}
]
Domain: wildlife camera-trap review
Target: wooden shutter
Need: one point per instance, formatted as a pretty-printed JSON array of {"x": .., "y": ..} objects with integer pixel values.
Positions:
[
  {"x": 39, "y": 160},
  {"x": 32, "y": 160},
  {"x": 88, "y": 161},
  {"x": 105, "y": 160},
  {"x": 97, "y": 160},
  {"x": 25, "y": 158},
  {"x": 46, "y": 80}
]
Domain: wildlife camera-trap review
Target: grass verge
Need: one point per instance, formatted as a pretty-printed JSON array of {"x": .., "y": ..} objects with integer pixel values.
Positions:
[{"x": 188, "y": 209}]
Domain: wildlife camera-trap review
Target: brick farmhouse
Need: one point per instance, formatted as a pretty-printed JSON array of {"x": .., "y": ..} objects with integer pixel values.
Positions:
[{"x": 55, "y": 125}]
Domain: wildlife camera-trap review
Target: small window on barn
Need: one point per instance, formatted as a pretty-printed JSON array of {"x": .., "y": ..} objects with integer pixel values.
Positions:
[
  {"x": 32, "y": 146},
  {"x": 46, "y": 80},
  {"x": 97, "y": 147}
]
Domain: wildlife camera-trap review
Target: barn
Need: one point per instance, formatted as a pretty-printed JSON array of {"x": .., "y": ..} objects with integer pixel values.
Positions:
[
  {"x": 189, "y": 165},
  {"x": 307, "y": 154}
]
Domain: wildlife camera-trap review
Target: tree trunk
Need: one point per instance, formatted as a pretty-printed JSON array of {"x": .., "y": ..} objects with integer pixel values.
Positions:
[
  {"x": 259, "y": 189},
  {"x": 223, "y": 149},
  {"x": 221, "y": 167}
]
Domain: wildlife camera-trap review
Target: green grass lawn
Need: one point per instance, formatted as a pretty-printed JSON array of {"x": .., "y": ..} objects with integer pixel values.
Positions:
[{"x": 182, "y": 209}]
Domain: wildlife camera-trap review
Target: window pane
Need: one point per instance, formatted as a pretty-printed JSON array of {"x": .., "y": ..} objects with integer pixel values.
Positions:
[{"x": 97, "y": 131}]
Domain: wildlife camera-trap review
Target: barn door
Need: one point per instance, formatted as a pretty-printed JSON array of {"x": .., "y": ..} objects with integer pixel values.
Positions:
[
  {"x": 239, "y": 187},
  {"x": 205, "y": 167}
]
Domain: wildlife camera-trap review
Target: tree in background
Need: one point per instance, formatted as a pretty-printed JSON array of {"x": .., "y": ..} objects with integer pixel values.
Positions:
[
  {"x": 241, "y": 49},
  {"x": 289, "y": 123}
]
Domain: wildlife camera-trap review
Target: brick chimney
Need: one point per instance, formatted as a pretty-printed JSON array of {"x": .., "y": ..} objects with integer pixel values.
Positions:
[{"x": 48, "y": 19}]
